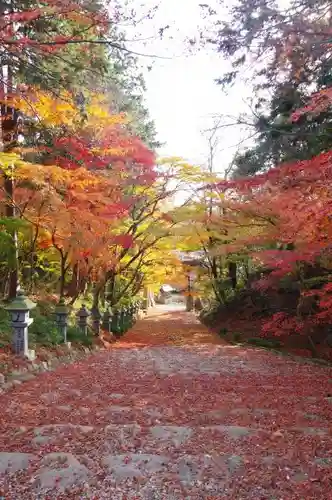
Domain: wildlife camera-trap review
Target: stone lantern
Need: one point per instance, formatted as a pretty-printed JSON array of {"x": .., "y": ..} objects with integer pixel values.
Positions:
[
  {"x": 95, "y": 317},
  {"x": 20, "y": 309},
  {"x": 107, "y": 320},
  {"x": 82, "y": 319},
  {"x": 61, "y": 317},
  {"x": 145, "y": 305}
]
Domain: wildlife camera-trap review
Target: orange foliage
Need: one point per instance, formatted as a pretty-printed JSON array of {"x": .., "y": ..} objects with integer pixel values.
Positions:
[{"x": 76, "y": 200}]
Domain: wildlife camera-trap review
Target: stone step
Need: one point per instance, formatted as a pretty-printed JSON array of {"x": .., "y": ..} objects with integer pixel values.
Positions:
[{"x": 60, "y": 471}]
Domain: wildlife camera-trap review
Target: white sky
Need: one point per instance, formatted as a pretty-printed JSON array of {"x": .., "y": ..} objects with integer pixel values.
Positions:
[{"x": 181, "y": 92}]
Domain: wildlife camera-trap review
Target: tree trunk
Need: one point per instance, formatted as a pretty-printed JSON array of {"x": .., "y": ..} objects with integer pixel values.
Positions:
[
  {"x": 111, "y": 289},
  {"x": 312, "y": 347},
  {"x": 96, "y": 295},
  {"x": 74, "y": 285},
  {"x": 63, "y": 271},
  {"x": 138, "y": 285},
  {"x": 8, "y": 131},
  {"x": 232, "y": 273},
  {"x": 103, "y": 295},
  {"x": 246, "y": 271},
  {"x": 10, "y": 212}
]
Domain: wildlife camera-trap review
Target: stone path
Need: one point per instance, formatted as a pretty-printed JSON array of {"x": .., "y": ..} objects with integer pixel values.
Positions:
[{"x": 170, "y": 413}]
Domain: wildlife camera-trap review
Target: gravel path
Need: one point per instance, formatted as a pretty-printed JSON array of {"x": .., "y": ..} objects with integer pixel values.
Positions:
[{"x": 170, "y": 413}]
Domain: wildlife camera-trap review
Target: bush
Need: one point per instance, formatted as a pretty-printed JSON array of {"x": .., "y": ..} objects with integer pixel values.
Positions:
[
  {"x": 75, "y": 335},
  {"x": 264, "y": 342},
  {"x": 5, "y": 328},
  {"x": 43, "y": 330},
  {"x": 223, "y": 332},
  {"x": 208, "y": 316},
  {"x": 237, "y": 336},
  {"x": 44, "y": 308}
]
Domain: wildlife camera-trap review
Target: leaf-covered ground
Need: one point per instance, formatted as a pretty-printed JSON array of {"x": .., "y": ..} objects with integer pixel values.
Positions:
[{"x": 170, "y": 413}]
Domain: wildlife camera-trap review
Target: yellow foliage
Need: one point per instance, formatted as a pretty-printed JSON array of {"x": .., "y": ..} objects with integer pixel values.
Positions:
[
  {"x": 50, "y": 110},
  {"x": 8, "y": 162},
  {"x": 61, "y": 110},
  {"x": 99, "y": 115}
]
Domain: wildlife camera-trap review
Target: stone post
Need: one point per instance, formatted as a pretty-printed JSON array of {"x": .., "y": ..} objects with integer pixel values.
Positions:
[
  {"x": 107, "y": 320},
  {"x": 95, "y": 320},
  {"x": 190, "y": 298},
  {"x": 123, "y": 321},
  {"x": 116, "y": 322},
  {"x": 189, "y": 303},
  {"x": 198, "y": 306},
  {"x": 131, "y": 315},
  {"x": 145, "y": 305},
  {"x": 82, "y": 319},
  {"x": 135, "y": 312},
  {"x": 20, "y": 309},
  {"x": 61, "y": 318},
  {"x": 127, "y": 318}
]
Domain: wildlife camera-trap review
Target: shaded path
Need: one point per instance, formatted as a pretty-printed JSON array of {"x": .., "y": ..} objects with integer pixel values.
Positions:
[
  {"x": 170, "y": 325},
  {"x": 170, "y": 413}
]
